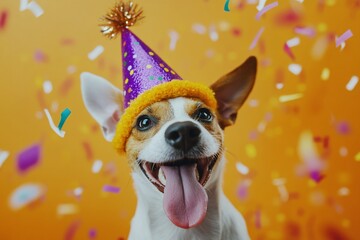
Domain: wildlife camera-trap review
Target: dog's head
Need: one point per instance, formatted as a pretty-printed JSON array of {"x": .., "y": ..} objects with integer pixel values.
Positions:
[{"x": 176, "y": 143}]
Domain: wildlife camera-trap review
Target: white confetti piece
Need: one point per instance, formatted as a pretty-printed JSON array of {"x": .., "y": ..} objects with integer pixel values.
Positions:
[
  {"x": 352, "y": 83},
  {"x": 199, "y": 28},
  {"x": 61, "y": 133},
  {"x": 295, "y": 68},
  {"x": 96, "y": 52},
  {"x": 66, "y": 209},
  {"x": 23, "y": 5},
  {"x": 280, "y": 184},
  {"x": 214, "y": 36},
  {"x": 78, "y": 191},
  {"x": 174, "y": 37},
  {"x": 25, "y": 195},
  {"x": 35, "y": 9},
  {"x": 344, "y": 191},
  {"x": 47, "y": 87},
  {"x": 291, "y": 97},
  {"x": 261, "y": 5},
  {"x": 293, "y": 42},
  {"x": 241, "y": 168},
  {"x": 97, "y": 165},
  {"x": 3, "y": 156},
  {"x": 279, "y": 85}
]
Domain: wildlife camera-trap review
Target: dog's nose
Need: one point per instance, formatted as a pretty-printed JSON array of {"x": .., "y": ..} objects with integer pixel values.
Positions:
[{"x": 182, "y": 135}]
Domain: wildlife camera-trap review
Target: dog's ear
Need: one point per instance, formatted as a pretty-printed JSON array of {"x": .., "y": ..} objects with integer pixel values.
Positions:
[
  {"x": 232, "y": 90},
  {"x": 103, "y": 101}
]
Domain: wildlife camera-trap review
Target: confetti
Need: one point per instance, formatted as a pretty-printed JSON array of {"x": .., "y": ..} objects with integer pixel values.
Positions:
[
  {"x": 78, "y": 191},
  {"x": 28, "y": 158},
  {"x": 3, "y": 19},
  {"x": 243, "y": 189},
  {"x": 92, "y": 233},
  {"x": 52, "y": 125},
  {"x": 291, "y": 97},
  {"x": 35, "y": 8},
  {"x": 316, "y": 176},
  {"x": 325, "y": 74},
  {"x": 47, "y": 87},
  {"x": 343, "y": 151},
  {"x": 110, "y": 188},
  {"x": 319, "y": 48},
  {"x": 3, "y": 156},
  {"x": 66, "y": 209},
  {"x": 88, "y": 150},
  {"x": 25, "y": 195},
  {"x": 293, "y": 42},
  {"x": 344, "y": 191},
  {"x": 226, "y": 6},
  {"x": 174, "y": 37},
  {"x": 261, "y": 5},
  {"x": 64, "y": 115},
  {"x": 343, "y": 127},
  {"x": 241, "y": 168},
  {"x": 40, "y": 56},
  {"x": 265, "y": 9},
  {"x": 214, "y": 36},
  {"x": 199, "y": 28},
  {"x": 96, "y": 167},
  {"x": 71, "y": 231},
  {"x": 295, "y": 68},
  {"x": 306, "y": 31},
  {"x": 96, "y": 52},
  {"x": 250, "y": 150},
  {"x": 352, "y": 83},
  {"x": 357, "y": 157},
  {"x": 288, "y": 51},
  {"x": 280, "y": 184},
  {"x": 348, "y": 34},
  {"x": 256, "y": 39},
  {"x": 23, "y": 5}
]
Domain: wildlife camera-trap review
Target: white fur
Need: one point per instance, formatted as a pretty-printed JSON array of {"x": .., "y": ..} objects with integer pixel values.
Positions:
[
  {"x": 222, "y": 221},
  {"x": 153, "y": 153}
]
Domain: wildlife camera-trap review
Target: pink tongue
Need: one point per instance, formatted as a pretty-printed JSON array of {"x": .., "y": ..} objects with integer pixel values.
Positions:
[{"x": 185, "y": 200}]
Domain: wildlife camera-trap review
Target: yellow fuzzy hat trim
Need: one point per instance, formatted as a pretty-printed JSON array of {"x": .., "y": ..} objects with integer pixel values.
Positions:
[{"x": 168, "y": 90}]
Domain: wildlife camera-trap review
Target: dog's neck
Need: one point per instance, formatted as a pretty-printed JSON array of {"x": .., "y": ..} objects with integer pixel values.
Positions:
[{"x": 154, "y": 224}]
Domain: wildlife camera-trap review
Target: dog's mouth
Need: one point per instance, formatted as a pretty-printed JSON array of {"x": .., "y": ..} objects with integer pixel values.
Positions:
[{"x": 182, "y": 182}]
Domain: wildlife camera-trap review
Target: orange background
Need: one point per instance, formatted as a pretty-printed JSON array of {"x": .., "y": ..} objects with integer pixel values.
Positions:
[{"x": 68, "y": 31}]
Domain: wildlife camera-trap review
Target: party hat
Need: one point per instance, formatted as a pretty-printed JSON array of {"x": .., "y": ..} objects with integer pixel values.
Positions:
[{"x": 146, "y": 77}]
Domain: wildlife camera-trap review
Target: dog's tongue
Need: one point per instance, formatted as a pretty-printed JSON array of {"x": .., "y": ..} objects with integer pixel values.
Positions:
[{"x": 185, "y": 200}]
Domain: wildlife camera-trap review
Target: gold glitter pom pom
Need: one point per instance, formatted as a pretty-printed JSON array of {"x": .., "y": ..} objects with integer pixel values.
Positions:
[{"x": 121, "y": 16}]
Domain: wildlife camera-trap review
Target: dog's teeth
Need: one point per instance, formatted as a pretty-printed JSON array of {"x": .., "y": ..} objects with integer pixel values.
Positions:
[
  {"x": 197, "y": 173},
  {"x": 161, "y": 177}
]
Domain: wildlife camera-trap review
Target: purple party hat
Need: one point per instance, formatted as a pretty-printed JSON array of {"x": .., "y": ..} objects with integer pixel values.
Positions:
[{"x": 142, "y": 67}]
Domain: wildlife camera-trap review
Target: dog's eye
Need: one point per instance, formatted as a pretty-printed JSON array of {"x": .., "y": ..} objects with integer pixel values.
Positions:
[
  {"x": 144, "y": 123},
  {"x": 204, "y": 115}
]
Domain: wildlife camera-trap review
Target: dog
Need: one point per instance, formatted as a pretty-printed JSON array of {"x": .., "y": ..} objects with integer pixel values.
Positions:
[{"x": 176, "y": 153}]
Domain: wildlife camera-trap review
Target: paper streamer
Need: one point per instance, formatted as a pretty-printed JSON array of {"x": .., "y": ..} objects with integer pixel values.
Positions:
[
  {"x": 340, "y": 40},
  {"x": 52, "y": 125},
  {"x": 28, "y": 157},
  {"x": 64, "y": 115},
  {"x": 226, "y": 6},
  {"x": 256, "y": 39},
  {"x": 265, "y": 9}
]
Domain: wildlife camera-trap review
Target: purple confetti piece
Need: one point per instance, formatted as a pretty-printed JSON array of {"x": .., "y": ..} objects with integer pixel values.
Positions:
[
  {"x": 316, "y": 176},
  {"x": 348, "y": 34},
  {"x": 92, "y": 233},
  {"x": 112, "y": 189},
  {"x": 343, "y": 128},
  {"x": 265, "y": 9},
  {"x": 256, "y": 39},
  {"x": 29, "y": 157}
]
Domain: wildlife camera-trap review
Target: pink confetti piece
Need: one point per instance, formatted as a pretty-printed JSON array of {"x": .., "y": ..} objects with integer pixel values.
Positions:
[
  {"x": 28, "y": 158},
  {"x": 3, "y": 156},
  {"x": 3, "y": 19},
  {"x": 288, "y": 17},
  {"x": 348, "y": 34},
  {"x": 39, "y": 56},
  {"x": 110, "y": 188},
  {"x": 256, "y": 39},
  {"x": 71, "y": 231},
  {"x": 288, "y": 51},
  {"x": 265, "y": 9},
  {"x": 257, "y": 219},
  {"x": 306, "y": 31}
]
